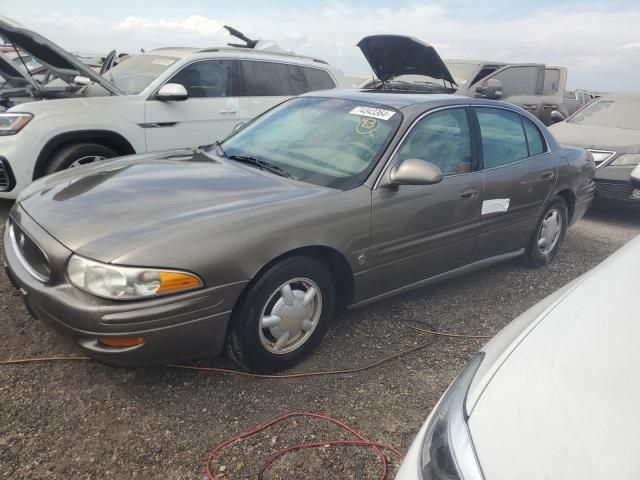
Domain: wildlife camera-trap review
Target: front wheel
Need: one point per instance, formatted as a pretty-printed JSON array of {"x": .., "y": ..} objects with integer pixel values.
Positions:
[
  {"x": 549, "y": 234},
  {"x": 283, "y": 316},
  {"x": 77, "y": 155}
]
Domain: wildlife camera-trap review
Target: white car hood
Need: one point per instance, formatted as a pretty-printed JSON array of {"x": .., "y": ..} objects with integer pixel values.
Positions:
[{"x": 564, "y": 404}]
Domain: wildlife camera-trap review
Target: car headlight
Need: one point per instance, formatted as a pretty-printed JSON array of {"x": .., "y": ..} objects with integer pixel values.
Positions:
[
  {"x": 12, "y": 123},
  {"x": 447, "y": 451},
  {"x": 627, "y": 160},
  {"x": 126, "y": 283}
]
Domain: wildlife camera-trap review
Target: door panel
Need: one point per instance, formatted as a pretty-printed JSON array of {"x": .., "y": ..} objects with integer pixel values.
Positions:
[
  {"x": 525, "y": 179},
  {"x": 419, "y": 231},
  {"x": 209, "y": 114}
]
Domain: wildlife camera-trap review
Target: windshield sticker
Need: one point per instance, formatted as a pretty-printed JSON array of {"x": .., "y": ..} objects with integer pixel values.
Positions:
[
  {"x": 378, "y": 113},
  {"x": 163, "y": 61},
  {"x": 367, "y": 126},
  {"x": 495, "y": 205}
]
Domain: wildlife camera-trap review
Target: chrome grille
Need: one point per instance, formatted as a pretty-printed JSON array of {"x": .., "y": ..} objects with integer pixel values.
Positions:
[
  {"x": 615, "y": 191},
  {"x": 31, "y": 256},
  {"x": 601, "y": 156}
]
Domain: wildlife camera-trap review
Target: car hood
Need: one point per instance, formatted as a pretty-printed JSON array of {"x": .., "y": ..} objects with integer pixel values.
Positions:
[
  {"x": 619, "y": 140},
  {"x": 15, "y": 77},
  {"x": 50, "y": 54},
  {"x": 563, "y": 404},
  {"x": 105, "y": 211},
  {"x": 394, "y": 55}
]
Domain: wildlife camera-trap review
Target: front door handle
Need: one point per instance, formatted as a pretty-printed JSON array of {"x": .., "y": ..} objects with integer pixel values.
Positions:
[
  {"x": 470, "y": 194},
  {"x": 549, "y": 106},
  {"x": 229, "y": 110},
  {"x": 530, "y": 106},
  {"x": 548, "y": 174}
]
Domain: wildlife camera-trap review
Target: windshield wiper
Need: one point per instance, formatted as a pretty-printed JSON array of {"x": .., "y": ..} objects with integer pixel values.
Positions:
[{"x": 260, "y": 164}]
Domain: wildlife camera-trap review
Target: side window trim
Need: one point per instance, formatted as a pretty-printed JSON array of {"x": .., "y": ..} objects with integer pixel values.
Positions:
[{"x": 473, "y": 133}]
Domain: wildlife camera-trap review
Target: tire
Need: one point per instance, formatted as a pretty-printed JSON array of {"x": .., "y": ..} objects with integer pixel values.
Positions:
[
  {"x": 67, "y": 156},
  {"x": 543, "y": 248},
  {"x": 259, "y": 346}
]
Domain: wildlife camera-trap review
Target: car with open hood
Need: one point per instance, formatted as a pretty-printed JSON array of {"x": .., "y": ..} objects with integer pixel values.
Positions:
[
  {"x": 405, "y": 63},
  {"x": 610, "y": 128},
  {"x": 165, "y": 98},
  {"x": 331, "y": 199},
  {"x": 554, "y": 395}
]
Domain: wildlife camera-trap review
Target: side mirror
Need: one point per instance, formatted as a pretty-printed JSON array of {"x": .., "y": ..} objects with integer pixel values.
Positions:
[
  {"x": 556, "y": 117},
  {"x": 172, "y": 92},
  {"x": 81, "y": 80},
  {"x": 635, "y": 177},
  {"x": 491, "y": 89},
  {"x": 414, "y": 171}
]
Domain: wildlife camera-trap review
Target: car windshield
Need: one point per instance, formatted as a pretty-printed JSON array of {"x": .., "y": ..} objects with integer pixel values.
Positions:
[
  {"x": 461, "y": 71},
  {"x": 324, "y": 141},
  {"x": 610, "y": 113},
  {"x": 136, "y": 72}
]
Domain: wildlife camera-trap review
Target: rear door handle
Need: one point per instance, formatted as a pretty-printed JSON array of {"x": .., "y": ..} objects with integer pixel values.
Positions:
[
  {"x": 548, "y": 174},
  {"x": 229, "y": 110},
  {"x": 470, "y": 194},
  {"x": 549, "y": 106},
  {"x": 530, "y": 106}
]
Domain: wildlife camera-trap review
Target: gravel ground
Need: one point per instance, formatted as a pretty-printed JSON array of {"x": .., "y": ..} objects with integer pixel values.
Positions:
[{"x": 89, "y": 421}]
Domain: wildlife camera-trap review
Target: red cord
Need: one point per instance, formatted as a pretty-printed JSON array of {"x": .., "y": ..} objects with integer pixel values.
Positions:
[{"x": 361, "y": 442}]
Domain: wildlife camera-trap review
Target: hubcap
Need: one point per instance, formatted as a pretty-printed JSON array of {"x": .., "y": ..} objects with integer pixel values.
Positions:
[
  {"x": 290, "y": 316},
  {"x": 87, "y": 160},
  {"x": 550, "y": 231}
]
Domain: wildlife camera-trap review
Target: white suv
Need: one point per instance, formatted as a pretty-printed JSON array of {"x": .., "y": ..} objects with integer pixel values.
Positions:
[{"x": 163, "y": 99}]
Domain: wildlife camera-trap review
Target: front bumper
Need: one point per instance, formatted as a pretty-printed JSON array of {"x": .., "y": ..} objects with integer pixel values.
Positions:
[
  {"x": 19, "y": 154},
  {"x": 175, "y": 328},
  {"x": 613, "y": 188}
]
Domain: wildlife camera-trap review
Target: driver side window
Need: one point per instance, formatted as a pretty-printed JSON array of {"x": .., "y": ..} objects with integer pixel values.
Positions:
[
  {"x": 208, "y": 78},
  {"x": 442, "y": 138}
]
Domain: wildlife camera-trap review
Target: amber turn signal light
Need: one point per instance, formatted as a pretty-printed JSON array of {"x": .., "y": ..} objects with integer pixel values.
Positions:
[
  {"x": 175, "y": 281},
  {"x": 121, "y": 342}
]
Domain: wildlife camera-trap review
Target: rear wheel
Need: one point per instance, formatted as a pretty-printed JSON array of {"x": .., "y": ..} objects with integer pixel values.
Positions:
[
  {"x": 78, "y": 154},
  {"x": 283, "y": 316},
  {"x": 549, "y": 234}
]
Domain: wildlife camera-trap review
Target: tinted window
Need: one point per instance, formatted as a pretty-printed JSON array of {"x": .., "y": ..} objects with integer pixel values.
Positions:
[
  {"x": 265, "y": 79},
  {"x": 210, "y": 78},
  {"x": 317, "y": 79},
  {"x": 551, "y": 81},
  {"x": 534, "y": 138},
  {"x": 441, "y": 138},
  {"x": 503, "y": 139},
  {"x": 519, "y": 81}
]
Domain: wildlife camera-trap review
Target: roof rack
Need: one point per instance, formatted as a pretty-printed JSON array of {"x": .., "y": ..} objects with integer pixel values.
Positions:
[{"x": 261, "y": 52}]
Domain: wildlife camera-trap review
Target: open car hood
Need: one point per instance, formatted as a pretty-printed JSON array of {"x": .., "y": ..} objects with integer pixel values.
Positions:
[
  {"x": 14, "y": 76},
  {"x": 394, "y": 55},
  {"x": 50, "y": 54}
]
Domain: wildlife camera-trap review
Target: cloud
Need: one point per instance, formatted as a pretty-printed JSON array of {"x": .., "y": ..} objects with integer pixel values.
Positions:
[
  {"x": 542, "y": 33},
  {"x": 197, "y": 25}
]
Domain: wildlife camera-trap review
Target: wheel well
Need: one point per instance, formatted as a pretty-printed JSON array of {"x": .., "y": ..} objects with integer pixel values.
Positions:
[
  {"x": 338, "y": 266},
  {"x": 567, "y": 195},
  {"x": 112, "y": 140}
]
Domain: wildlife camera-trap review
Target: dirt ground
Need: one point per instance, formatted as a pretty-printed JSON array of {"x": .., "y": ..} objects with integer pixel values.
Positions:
[{"x": 84, "y": 420}]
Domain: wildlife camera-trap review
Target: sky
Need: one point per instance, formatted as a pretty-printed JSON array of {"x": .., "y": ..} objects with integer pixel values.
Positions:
[{"x": 599, "y": 40}]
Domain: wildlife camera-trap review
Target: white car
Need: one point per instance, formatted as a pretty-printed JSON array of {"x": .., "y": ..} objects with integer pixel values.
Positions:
[
  {"x": 163, "y": 99},
  {"x": 553, "y": 396}
]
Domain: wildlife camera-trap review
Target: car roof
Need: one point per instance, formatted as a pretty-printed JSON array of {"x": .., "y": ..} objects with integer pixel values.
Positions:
[{"x": 400, "y": 100}]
